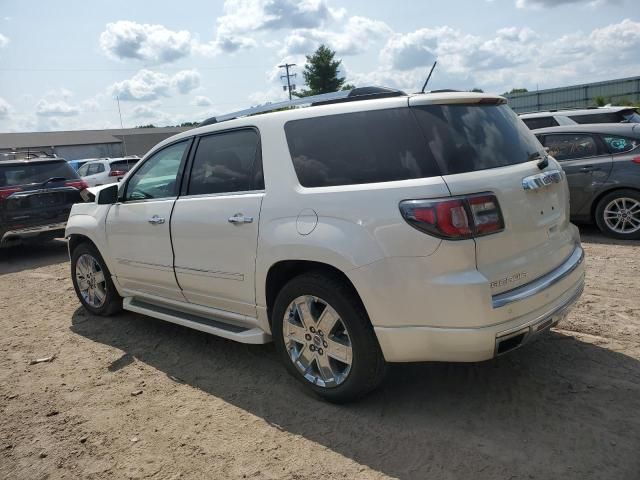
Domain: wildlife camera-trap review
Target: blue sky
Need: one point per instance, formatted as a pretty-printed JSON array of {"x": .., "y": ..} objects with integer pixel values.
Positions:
[{"x": 62, "y": 63}]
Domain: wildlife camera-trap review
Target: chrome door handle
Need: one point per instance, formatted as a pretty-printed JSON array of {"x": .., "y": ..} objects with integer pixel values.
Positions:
[
  {"x": 156, "y": 220},
  {"x": 240, "y": 218}
]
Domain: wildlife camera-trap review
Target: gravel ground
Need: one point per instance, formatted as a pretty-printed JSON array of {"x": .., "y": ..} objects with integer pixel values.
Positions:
[{"x": 133, "y": 397}]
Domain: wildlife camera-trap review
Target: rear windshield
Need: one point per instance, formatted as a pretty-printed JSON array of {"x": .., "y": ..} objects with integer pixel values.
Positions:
[
  {"x": 540, "y": 122},
  {"x": 124, "y": 165},
  {"x": 361, "y": 147},
  {"x": 466, "y": 138},
  {"x": 35, "y": 172}
]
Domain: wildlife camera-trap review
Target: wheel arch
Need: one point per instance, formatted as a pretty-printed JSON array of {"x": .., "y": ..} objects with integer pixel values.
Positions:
[{"x": 283, "y": 271}]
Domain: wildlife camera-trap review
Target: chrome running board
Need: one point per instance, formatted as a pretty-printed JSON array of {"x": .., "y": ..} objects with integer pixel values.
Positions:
[{"x": 204, "y": 324}]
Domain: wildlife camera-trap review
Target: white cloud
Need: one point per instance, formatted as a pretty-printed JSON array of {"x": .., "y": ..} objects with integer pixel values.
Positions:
[
  {"x": 143, "y": 111},
  {"x": 5, "y": 108},
  {"x": 90, "y": 105},
  {"x": 147, "y": 85},
  {"x": 4, "y": 41},
  {"x": 60, "y": 108},
  {"x": 557, "y": 3},
  {"x": 186, "y": 80},
  {"x": 151, "y": 43},
  {"x": 202, "y": 101}
]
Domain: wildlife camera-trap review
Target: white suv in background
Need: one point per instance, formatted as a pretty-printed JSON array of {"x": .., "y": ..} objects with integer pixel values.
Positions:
[
  {"x": 427, "y": 227},
  {"x": 553, "y": 118},
  {"x": 106, "y": 170}
]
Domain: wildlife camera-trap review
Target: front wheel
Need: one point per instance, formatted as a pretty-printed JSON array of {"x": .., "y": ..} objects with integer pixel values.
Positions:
[
  {"x": 92, "y": 281},
  {"x": 325, "y": 338},
  {"x": 618, "y": 214}
]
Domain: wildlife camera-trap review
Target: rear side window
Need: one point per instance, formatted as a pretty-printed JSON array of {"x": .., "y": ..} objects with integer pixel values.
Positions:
[
  {"x": 467, "y": 138},
  {"x": 540, "y": 122},
  {"x": 35, "y": 172},
  {"x": 226, "y": 162},
  {"x": 569, "y": 147},
  {"x": 608, "y": 117},
  {"x": 356, "y": 148},
  {"x": 619, "y": 144}
]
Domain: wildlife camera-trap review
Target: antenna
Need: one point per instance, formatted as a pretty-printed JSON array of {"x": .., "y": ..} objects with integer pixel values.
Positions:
[{"x": 428, "y": 77}]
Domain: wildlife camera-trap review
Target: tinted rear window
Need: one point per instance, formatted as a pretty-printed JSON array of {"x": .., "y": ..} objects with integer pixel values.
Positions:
[
  {"x": 466, "y": 138},
  {"x": 540, "y": 122},
  {"x": 123, "y": 165},
  {"x": 35, "y": 172},
  {"x": 355, "y": 148},
  {"x": 608, "y": 117}
]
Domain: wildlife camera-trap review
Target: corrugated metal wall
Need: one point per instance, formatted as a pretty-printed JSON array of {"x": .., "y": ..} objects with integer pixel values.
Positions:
[{"x": 577, "y": 96}]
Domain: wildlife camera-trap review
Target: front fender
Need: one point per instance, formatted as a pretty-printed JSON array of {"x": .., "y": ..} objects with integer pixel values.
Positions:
[{"x": 89, "y": 220}]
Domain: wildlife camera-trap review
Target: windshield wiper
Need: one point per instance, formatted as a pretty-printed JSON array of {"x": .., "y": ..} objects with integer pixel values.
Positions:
[{"x": 52, "y": 179}]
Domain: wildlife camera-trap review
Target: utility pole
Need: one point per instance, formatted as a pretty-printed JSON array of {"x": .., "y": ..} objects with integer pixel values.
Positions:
[
  {"x": 288, "y": 77},
  {"x": 124, "y": 141}
]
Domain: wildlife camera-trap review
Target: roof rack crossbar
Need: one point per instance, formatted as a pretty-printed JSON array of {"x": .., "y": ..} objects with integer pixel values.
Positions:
[{"x": 269, "y": 107}]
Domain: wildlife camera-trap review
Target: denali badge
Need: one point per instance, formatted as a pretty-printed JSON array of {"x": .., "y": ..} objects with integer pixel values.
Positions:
[
  {"x": 516, "y": 277},
  {"x": 543, "y": 179}
]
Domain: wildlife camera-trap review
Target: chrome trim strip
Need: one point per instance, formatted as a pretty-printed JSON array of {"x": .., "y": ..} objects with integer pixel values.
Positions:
[
  {"x": 542, "y": 283},
  {"x": 35, "y": 230},
  {"x": 209, "y": 273},
  {"x": 543, "y": 179}
]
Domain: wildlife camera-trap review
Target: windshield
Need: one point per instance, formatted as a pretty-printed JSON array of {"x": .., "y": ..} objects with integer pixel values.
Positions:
[
  {"x": 35, "y": 172},
  {"x": 466, "y": 138}
]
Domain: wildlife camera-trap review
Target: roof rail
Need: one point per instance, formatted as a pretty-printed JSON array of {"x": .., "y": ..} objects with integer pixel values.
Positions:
[{"x": 361, "y": 93}]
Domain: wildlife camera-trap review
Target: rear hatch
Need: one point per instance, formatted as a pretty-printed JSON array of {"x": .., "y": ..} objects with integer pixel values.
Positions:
[
  {"x": 484, "y": 147},
  {"x": 37, "y": 192},
  {"x": 119, "y": 168}
]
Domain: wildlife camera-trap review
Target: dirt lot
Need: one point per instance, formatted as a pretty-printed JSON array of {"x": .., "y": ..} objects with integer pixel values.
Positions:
[{"x": 566, "y": 406}]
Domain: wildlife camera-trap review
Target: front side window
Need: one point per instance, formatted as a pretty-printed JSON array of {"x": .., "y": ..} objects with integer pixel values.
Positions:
[
  {"x": 568, "y": 147},
  {"x": 356, "y": 148},
  {"x": 157, "y": 177},
  {"x": 95, "y": 168},
  {"x": 619, "y": 144},
  {"x": 226, "y": 162},
  {"x": 83, "y": 170}
]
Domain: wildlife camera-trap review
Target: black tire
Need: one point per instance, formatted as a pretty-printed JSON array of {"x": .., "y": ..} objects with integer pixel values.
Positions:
[
  {"x": 600, "y": 213},
  {"x": 112, "y": 303},
  {"x": 368, "y": 365}
]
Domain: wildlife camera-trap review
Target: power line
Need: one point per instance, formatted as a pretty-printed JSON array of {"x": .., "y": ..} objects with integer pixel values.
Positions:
[{"x": 288, "y": 77}]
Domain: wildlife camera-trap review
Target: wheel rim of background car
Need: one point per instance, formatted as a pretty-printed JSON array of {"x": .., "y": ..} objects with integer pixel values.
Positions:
[
  {"x": 91, "y": 280},
  {"x": 622, "y": 215},
  {"x": 317, "y": 341}
]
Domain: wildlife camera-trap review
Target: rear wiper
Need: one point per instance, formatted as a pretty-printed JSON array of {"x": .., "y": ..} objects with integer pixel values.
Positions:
[
  {"x": 543, "y": 163},
  {"x": 52, "y": 179}
]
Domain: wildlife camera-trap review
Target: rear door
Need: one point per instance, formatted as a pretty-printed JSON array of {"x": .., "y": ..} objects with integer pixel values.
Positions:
[
  {"x": 586, "y": 162},
  {"x": 138, "y": 232},
  {"x": 34, "y": 193},
  {"x": 485, "y": 148},
  {"x": 93, "y": 173},
  {"x": 214, "y": 225}
]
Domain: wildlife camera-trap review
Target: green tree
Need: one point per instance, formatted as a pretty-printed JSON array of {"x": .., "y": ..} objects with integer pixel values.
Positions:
[
  {"x": 321, "y": 73},
  {"x": 477, "y": 90},
  {"x": 518, "y": 90}
]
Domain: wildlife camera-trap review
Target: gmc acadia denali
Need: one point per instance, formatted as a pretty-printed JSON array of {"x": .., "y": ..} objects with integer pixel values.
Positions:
[{"x": 371, "y": 227}]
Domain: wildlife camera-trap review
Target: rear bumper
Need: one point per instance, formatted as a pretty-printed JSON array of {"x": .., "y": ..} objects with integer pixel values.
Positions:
[
  {"x": 50, "y": 230},
  {"x": 417, "y": 344}
]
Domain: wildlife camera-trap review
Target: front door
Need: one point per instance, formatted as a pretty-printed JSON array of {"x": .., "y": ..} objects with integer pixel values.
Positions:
[
  {"x": 215, "y": 223},
  {"x": 584, "y": 160},
  {"x": 138, "y": 230}
]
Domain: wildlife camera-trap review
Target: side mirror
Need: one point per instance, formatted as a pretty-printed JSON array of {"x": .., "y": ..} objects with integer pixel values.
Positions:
[{"x": 108, "y": 195}]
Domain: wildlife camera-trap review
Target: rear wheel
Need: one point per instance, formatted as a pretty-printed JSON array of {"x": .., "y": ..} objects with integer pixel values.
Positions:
[
  {"x": 325, "y": 339},
  {"x": 618, "y": 214},
  {"x": 92, "y": 281}
]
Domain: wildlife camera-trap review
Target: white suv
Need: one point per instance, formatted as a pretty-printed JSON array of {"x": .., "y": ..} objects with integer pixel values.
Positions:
[
  {"x": 553, "y": 118},
  {"x": 428, "y": 227},
  {"x": 106, "y": 170}
]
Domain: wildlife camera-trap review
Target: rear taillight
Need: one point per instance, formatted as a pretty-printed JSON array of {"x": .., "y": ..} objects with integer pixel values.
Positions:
[
  {"x": 117, "y": 173},
  {"x": 636, "y": 160},
  {"x": 79, "y": 184},
  {"x": 455, "y": 218},
  {"x": 5, "y": 192}
]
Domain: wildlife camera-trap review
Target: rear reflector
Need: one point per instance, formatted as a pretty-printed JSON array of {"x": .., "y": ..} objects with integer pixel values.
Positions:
[
  {"x": 455, "y": 218},
  {"x": 79, "y": 184},
  {"x": 6, "y": 192},
  {"x": 636, "y": 160}
]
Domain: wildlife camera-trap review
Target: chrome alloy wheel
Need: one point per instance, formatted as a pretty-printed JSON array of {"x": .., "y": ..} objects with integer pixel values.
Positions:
[
  {"x": 622, "y": 215},
  {"x": 91, "y": 281},
  {"x": 317, "y": 341}
]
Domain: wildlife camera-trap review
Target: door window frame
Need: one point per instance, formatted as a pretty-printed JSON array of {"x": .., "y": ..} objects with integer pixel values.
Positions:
[
  {"x": 258, "y": 164},
  {"x": 122, "y": 190}
]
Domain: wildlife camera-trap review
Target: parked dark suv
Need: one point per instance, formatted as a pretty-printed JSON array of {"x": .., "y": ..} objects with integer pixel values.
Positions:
[
  {"x": 35, "y": 198},
  {"x": 602, "y": 163}
]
